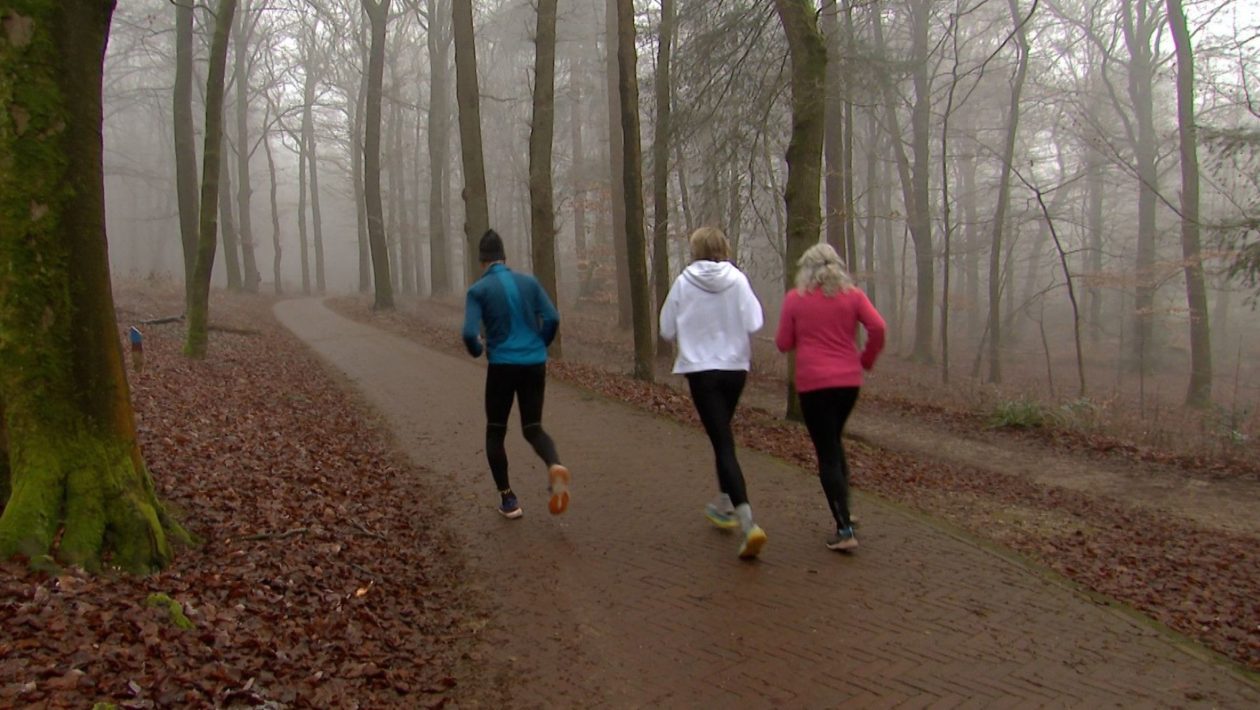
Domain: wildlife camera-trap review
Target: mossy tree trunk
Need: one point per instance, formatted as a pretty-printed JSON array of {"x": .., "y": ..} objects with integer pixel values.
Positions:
[
  {"x": 79, "y": 486},
  {"x": 198, "y": 308}
]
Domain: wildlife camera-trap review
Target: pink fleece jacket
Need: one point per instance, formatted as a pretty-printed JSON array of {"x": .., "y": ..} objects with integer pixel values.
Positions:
[{"x": 823, "y": 333}]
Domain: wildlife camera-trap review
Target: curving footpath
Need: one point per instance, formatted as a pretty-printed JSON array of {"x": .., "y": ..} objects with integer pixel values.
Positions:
[{"x": 631, "y": 599}]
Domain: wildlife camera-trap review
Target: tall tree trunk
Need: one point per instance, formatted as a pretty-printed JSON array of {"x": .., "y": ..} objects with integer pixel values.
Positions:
[
  {"x": 185, "y": 140},
  {"x": 1004, "y": 191},
  {"x": 971, "y": 233},
  {"x": 660, "y": 164},
  {"x": 578, "y": 169},
  {"x": 1095, "y": 167},
  {"x": 398, "y": 201},
  {"x": 241, "y": 71},
  {"x": 317, "y": 215},
  {"x": 833, "y": 134},
  {"x": 468, "y": 99},
  {"x": 804, "y": 153},
  {"x": 438, "y": 41},
  {"x": 305, "y": 142},
  {"x": 79, "y": 487},
  {"x": 920, "y": 215},
  {"x": 227, "y": 222},
  {"x": 359, "y": 180},
  {"x": 616, "y": 163},
  {"x": 911, "y": 180},
  {"x": 198, "y": 307},
  {"x": 275, "y": 220},
  {"x": 1139, "y": 22},
  {"x": 378, "y": 16},
  {"x": 542, "y": 211},
  {"x": 636, "y": 246},
  {"x": 1199, "y": 390}
]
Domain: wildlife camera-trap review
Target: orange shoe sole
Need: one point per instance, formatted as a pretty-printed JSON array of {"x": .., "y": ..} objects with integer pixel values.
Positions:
[{"x": 559, "y": 488}]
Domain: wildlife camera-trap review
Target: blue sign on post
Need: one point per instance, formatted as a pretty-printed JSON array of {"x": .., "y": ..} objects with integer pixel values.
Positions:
[{"x": 137, "y": 348}]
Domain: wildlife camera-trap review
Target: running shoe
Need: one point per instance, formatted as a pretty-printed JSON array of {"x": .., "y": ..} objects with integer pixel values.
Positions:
[
  {"x": 754, "y": 540},
  {"x": 559, "y": 489},
  {"x": 510, "y": 508},
  {"x": 724, "y": 519},
  {"x": 842, "y": 540}
]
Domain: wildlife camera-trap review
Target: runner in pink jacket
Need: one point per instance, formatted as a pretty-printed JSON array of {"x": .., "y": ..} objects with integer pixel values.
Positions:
[{"x": 819, "y": 322}]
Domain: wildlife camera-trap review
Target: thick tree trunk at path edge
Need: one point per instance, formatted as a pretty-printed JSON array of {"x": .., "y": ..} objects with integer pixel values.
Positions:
[
  {"x": 660, "y": 167},
  {"x": 76, "y": 470},
  {"x": 804, "y": 153},
  {"x": 198, "y": 308},
  {"x": 185, "y": 139}
]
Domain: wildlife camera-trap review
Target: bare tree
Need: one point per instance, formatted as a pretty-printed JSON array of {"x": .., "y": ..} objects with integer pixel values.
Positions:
[
  {"x": 1199, "y": 391},
  {"x": 378, "y": 17},
  {"x": 468, "y": 96},
  {"x": 628, "y": 91},
  {"x": 185, "y": 138},
  {"x": 804, "y": 153},
  {"x": 660, "y": 163},
  {"x": 542, "y": 211},
  {"x": 198, "y": 306}
]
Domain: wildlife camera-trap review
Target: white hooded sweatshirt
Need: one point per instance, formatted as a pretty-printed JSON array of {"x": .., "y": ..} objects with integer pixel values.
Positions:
[{"x": 710, "y": 312}]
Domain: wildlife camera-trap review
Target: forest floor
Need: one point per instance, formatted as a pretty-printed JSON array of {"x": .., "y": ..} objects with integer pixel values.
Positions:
[{"x": 334, "y": 572}]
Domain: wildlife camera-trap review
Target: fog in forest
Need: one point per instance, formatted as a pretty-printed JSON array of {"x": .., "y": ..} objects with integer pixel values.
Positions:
[{"x": 1020, "y": 161}]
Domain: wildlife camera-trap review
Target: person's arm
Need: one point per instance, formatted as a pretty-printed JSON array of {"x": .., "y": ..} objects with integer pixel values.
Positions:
[
  {"x": 669, "y": 314},
  {"x": 549, "y": 317},
  {"x": 750, "y": 307},
  {"x": 785, "y": 336},
  {"x": 472, "y": 325},
  {"x": 873, "y": 322}
]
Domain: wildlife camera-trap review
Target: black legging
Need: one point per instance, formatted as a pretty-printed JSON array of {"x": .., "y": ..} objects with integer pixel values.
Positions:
[
  {"x": 527, "y": 383},
  {"x": 715, "y": 393},
  {"x": 825, "y": 412}
]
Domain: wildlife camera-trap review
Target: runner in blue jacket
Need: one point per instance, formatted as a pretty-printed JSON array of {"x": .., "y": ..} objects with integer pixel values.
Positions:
[{"x": 510, "y": 317}]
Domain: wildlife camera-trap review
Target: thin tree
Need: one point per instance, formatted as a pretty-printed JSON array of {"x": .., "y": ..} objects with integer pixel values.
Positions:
[
  {"x": 378, "y": 17},
  {"x": 542, "y": 211},
  {"x": 636, "y": 246},
  {"x": 1004, "y": 190},
  {"x": 1199, "y": 390},
  {"x": 76, "y": 485},
  {"x": 468, "y": 98},
  {"x": 616, "y": 166},
  {"x": 185, "y": 138},
  {"x": 660, "y": 163},
  {"x": 438, "y": 42},
  {"x": 198, "y": 308},
  {"x": 804, "y": 153},
  {"x": 241, "y": 72}
]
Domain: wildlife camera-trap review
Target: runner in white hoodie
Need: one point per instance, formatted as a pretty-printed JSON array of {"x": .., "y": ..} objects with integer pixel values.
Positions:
[{"x": 710, "y": 312}]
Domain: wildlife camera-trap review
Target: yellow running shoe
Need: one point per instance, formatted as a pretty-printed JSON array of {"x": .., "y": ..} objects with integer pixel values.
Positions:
[{"x": 754, "y": 540}]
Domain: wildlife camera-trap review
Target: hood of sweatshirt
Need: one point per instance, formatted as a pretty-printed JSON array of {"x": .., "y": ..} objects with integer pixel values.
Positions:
[{"x": 712, "y": 276}]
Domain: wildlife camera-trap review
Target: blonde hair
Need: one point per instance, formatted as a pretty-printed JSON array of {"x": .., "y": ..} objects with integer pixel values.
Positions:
[
  {"x": 821, "y": 267},
  {"x": 709, "y": 244}
]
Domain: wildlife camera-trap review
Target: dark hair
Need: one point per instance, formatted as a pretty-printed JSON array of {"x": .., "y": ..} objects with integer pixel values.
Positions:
[{"x": 491, "y": 247}]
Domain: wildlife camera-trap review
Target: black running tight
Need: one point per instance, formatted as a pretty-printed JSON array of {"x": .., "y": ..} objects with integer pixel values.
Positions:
[
  {"x": 527, "y": 384},
  {"x": 715, "y": 393},
  {"x": 826, "y": 412}
]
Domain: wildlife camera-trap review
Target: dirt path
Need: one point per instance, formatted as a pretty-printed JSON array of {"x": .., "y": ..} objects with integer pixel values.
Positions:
[{"x": 630, "y": 599}]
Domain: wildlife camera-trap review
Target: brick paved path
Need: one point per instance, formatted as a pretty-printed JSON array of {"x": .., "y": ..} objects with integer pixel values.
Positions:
[{"x": 631, "y": 599}]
